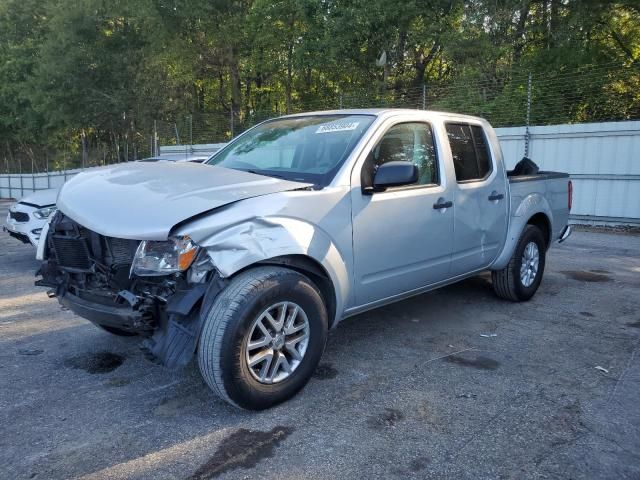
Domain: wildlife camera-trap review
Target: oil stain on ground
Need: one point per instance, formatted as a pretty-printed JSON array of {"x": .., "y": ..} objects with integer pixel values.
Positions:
[
  {"x": 587, "y": 314},
  {"x": 479, "y": 362},
  {"x": 419, "y": 464},
  {"x": 634, "y": 324},
  {"x": 387, "y": 419},
  {"x": 242, "y": 449},
  {"x": 30, "y": 352},
  {"x": 584, "y": 276},
  {"x": 101, "y": 362},
  {"x": 325, "y": 371}
]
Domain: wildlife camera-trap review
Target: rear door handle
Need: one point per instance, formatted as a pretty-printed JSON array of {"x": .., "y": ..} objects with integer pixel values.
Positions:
[
  {"x": 442, "y": 204},
  {"x": 495, "y": 196}
]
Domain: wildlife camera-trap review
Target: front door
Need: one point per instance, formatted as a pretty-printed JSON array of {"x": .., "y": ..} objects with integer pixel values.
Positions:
[{"x": 400, "y": 241}]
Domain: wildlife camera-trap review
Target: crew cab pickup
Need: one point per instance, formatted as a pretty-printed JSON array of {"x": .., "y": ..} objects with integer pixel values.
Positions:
[{"x": 247, "y": 260}]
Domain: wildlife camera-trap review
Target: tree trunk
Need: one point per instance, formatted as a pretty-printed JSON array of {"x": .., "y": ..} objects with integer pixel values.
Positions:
[
  {"x": 247, "y": 96},
  {"x": 221, "y": 94},
  {"x": 402, "y": 43},
  {"x": 85, "y": 153},
  {"x": 200, "y": 98},
  {"x": 236, "y": 93},
  {"x": 422, "y": 62},
  {"x": 554, "y": 21},
  {"x": 518, "y": 41},
  {"x": 288, "y": 87},
  {"x": 545, "y": 22}
]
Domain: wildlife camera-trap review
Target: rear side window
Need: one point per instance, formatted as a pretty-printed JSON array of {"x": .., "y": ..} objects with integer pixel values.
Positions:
[{"x": 471, "y": 157}]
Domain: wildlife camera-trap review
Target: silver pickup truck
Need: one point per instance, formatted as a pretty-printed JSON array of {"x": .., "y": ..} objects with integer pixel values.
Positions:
[{"x": 249, "y": 259}]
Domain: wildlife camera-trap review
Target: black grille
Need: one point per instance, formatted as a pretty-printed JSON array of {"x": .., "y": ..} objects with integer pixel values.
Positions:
[
  {"x": 19, "y": 216},
  {"x": 71, "y": 252},
  {"x": 122, "y": 250}
]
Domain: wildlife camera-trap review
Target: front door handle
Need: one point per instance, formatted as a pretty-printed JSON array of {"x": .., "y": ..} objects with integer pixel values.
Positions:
[
  {"x": 495, "y": 196},
  {"x": 442, "y": 204}
]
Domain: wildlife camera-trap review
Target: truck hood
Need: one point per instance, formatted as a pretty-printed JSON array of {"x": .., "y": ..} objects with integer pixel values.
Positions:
[{"x": 144, "y": 201}]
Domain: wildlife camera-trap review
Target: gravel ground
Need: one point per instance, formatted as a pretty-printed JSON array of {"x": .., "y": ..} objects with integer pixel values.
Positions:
[{"x": 450, "y": 384}]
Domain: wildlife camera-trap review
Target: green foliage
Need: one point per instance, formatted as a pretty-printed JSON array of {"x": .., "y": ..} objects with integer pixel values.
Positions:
[{"x": 93, "y": 76}]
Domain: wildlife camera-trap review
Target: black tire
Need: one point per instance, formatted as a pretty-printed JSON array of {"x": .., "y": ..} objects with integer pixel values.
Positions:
[
  {"x": 221, "y": 356},
  {"x": 506, "y": 282},
  {"x": 117, "y": 331}
]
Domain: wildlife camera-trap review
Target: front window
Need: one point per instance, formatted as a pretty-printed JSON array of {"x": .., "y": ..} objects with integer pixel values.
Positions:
[
  {"x": 305, "y": 149},
  {"x": 405, "y": 142}
]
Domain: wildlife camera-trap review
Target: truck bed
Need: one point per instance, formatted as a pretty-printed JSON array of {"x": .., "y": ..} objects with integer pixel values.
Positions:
[
  {"x": 551, "y": 186},
  {"x": 542, "y": 175}
]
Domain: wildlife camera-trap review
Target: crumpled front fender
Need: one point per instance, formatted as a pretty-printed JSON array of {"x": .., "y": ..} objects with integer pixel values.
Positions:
[{"x": 259, "y": 239}]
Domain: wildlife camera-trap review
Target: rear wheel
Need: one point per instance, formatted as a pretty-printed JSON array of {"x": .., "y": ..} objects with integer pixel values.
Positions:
[
  {"x": 520, "y": 279},
  {"x": 263, "y": 337}
]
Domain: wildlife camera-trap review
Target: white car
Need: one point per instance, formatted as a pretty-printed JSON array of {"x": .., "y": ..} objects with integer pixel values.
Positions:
[{"x": 29, "y": 214}]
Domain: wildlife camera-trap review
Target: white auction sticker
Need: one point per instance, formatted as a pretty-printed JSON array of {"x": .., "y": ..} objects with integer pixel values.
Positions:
[{"x": 337, "y": 127}]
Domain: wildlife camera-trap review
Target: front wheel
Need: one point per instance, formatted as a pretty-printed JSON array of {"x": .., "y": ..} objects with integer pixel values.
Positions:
[
  {"x": 263, "y": 337},
  {"x": 520, "y": 279}
]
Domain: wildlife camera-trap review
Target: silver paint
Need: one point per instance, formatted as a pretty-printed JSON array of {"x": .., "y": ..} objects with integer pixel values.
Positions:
[{"x": 143, "y": 201}]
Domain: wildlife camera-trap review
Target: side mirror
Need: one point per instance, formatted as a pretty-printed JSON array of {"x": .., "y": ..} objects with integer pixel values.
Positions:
[{"x": 395, "y": 174}]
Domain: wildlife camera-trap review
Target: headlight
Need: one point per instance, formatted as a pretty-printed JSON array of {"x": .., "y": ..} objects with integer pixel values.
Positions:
[
  {"x": 44, "y": 212},
  {"x": 163, "y": 258}
]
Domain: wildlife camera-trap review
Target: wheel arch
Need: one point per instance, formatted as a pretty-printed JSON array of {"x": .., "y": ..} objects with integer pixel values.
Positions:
[
  {"x": 288, "y": 242},
  {"x": 542, "y": 221},
  {"x": 314, "y": 270},
  {"x": 532, "y": 210}
]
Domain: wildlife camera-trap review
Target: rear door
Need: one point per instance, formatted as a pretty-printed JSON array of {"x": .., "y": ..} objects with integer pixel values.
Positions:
[
  {"x": 481, "y": 208},
  {"x": 400, "y": 241}
]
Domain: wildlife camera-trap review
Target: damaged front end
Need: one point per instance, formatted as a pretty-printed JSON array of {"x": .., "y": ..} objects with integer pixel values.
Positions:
[{"x": 94, "y": 276}]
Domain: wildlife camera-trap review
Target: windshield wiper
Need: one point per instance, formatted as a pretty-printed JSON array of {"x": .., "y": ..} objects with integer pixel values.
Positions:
[
  {"x": 275, "y": 175},
  {"x": 282, "y": 177}
]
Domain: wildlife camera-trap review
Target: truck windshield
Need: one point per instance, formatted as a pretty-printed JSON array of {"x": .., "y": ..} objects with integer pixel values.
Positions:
[{"x": 305, "y": 149}]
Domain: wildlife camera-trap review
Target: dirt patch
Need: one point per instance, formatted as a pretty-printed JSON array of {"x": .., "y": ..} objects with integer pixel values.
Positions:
[
  {"x": 325, "y": 371},
  {"x": 566, "y": 424},
  {"x": 597, "y": 270},
  {"x": 479, "y": 362},
  {"x": 192, "y": 402},
  {"x": 101, "y": 362},
  {"x": 387, "y": 419},
  {"x": 117, "y": 382},
  {"x": 242, "y": 449},
  {"x": 584, "y": 276},
  {"x": 587, "y": 314}
]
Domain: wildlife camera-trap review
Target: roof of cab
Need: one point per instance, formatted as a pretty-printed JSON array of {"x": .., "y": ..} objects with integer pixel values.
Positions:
[{"x": 380, "y": 112}]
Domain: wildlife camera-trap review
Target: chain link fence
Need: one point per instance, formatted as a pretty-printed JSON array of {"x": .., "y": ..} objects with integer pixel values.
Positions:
[{"x": 594, "y": 93}]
